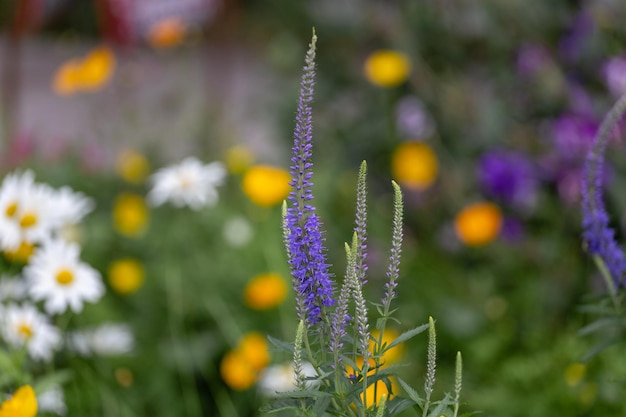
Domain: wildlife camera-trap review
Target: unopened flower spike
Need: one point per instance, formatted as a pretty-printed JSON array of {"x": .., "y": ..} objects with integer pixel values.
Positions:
[
  {"x": 361, "y": 223},
  {"x": 599, "y": 237},
  {"x": 393, "y": 272},
  {"x": 306, "y": 251}
]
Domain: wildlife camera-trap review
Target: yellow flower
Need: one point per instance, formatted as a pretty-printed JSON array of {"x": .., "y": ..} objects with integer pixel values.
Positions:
[
  {"x": 166, "y": 33},
  {"x": 478, "y": 223},
  {"x": 22, "y": 254},
  {"x": 392, "y": 355},
  {"x": 238, "y": 159},
  {"x": 23, "y": 403},
  {"x": 240, "y": 367},
  {"x": 87, "y": 74},
  {"x": 414, "y": 165},
  {"x": 132, "y": 166},
  {"x": 236, "y": 372},
  {"x": 387, "y": 68},
  {"x": 126, "y": 275},
  {"x": 265, "y": 291},
  {"x": 375, "y": 392},
  {"x": 130, "y": 214},
  {"x": 266, "y": 185},
  {"x": 575, "y": 373}
]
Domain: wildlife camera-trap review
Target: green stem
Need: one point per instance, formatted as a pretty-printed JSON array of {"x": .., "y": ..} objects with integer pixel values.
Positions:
[{"x": 608, "y": 281}]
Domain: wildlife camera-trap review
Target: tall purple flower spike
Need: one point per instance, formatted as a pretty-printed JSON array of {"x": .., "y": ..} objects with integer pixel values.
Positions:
[
  {"x": 303, "y": 234},
  {"x": 599, "y": 237}
]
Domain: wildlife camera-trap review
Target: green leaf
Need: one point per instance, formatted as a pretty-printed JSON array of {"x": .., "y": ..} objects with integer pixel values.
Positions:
[
  {"x": 411, "y": 392},
  {"x": 321, "y": 405},
  {"x": 441, "y": 405},
  {"x": 601, "y": 324},
  {"x": 407, "y": 335},
  {"x": 398, "y": 405},
  {"x": 281, "y": 345}
]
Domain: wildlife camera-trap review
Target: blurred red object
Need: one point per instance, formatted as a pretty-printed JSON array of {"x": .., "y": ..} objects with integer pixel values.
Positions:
[{"x": 127, "y": 22}]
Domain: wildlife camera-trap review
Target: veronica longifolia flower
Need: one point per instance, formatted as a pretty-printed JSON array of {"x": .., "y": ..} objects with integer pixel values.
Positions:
[
  {"x": 304, "y": 238},
  {"x": 599, "y": 237}
]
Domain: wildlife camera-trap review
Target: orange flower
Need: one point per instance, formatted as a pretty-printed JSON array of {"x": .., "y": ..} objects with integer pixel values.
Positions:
[
  {"x": 265, "y": 291},
  {"x": 387, "y": 68},
  {"x": 88, "y": 74},
  {"x": 266, "y": 185},
  {"x": 414, "y": 165},
  {"x": 23, "y": 403},
  {"x": 478, "y": 223},
  {"x": 130, "y": 214},
  {"x": 126, "y": 275},
  {"x": 240, "y": 367},
  {"x": 167, "y": 33}
]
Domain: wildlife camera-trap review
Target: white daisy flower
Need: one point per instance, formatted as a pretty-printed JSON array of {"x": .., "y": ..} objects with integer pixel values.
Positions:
[
  {"x": 52, "y": 401},
  {"x": 189, "y": 183},
  {"x": 26, "y": 211},
  {"x": 105, "y": 340},
  {"x": 281, "y": 378},
  {"x": 56, "y": 274},
  {"x": 70, "y": 206},
  {"x": 26, "y": 326},
  {"x": 12, "y": 288}
]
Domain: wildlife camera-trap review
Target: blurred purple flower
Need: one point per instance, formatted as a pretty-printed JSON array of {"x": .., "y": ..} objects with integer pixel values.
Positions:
[
  {"x": 512, "y": 230},
  {"x": 531, "y": 59},
  {"x": 413, "y": 120},
  {"x": 509, "y": 177},
  {"x": 580, "y": 101},
  {"x": 573, "y": 135},
  {"x": 571, "y": 45},
  {"x": 615, "y": 75}
]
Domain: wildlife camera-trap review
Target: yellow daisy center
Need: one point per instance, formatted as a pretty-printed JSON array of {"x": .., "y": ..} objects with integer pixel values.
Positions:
[
  {"x": 29, "y": 219},
  {"x": 65, "y": 277},
  {"x": 11, "y": 209},
  {"x": 25, "y": 330}
]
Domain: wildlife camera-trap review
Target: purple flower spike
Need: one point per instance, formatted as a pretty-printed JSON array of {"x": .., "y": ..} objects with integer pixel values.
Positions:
[
  {"x": 304, "y": 238},
  {"x": 597, "y": 234}
]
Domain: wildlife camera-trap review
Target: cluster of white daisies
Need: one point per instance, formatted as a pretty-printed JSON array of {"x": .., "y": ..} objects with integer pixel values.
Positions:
[{"x": 33, "y": 217}]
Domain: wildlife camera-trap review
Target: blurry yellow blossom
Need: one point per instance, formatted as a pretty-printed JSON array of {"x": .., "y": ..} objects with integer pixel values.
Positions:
[
  {"x": 167, "y": 33},
  {"x": 387, "y": 68},
  {"x": 478, "y": 223},
  {"x": 265, "y": 291},
  {"x": 132, "y": 166},
  {"x": 236, "y": 372},
  {"x": 392, "y": 355},
  {"x": 375, "y": 392},
  {"x": 575, "y": 373},
  {"x": 414, "y": 165},
  {"x": 22, "y": 254},
  {"x": 130, "y": 214},
  {"x": 126, "y": 275},
  {"x": 23, "y": 403},
  {"x": 266, "y": 185},
  {"x": 240, "y": 367},
  {"x": 124, "y": 377},
  {"x": 238, "y": 159},
  {"x": 588, "y": 393},
  {"x": 87, "y": 74},
  {"x": 254, "y": 349}
]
